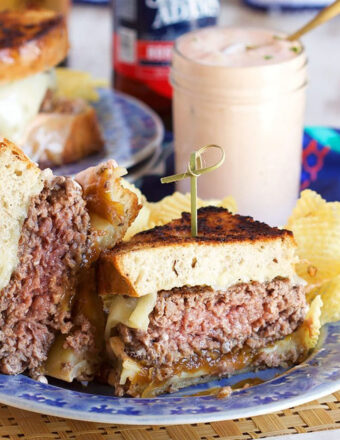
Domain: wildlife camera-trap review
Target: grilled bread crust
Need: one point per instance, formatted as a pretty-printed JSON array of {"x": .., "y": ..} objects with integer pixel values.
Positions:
[
  {"x": 168, "y": 256},
  {"x": 215, "y": 225},
  {"x": 31, "y": 41}
]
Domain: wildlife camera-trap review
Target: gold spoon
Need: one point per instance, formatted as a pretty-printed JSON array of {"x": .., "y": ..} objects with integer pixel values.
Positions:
[{"x": 326, "y": 14}]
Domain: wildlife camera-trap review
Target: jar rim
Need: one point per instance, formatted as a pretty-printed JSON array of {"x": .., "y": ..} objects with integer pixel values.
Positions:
[{"x": 268, "y": 67}]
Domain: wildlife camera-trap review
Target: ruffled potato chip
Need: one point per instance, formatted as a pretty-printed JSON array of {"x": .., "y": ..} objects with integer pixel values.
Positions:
[
  {"x": 77, "y": 84},
  {"x": 316, "y": 228},
  {"x": 309, "y": 203},
  {"x": 172, "y": 206},
  {"x": 141, "y": 222},
  {"x": 329, "y": 291},
  {"x": 167, "y": 209},
  {"x": 141, "y": 197}
]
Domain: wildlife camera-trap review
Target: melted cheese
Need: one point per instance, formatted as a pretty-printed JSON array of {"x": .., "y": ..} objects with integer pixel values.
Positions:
[
  {"x": 132, "y": 312},
  {"x": 65, "y": 363},
  {"x": 20, "y": 102},
  {"x": 139, "y": 318},
  {"x": 130, "y": 369}
]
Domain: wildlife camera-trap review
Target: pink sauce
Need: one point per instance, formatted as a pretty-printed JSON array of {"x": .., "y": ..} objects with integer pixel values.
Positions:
[
  {"x": 251, "y": 102},
  {"x": 237, "y": 47}
]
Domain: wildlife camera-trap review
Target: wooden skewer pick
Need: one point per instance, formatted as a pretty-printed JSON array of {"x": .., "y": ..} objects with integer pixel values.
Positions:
[{"x": 194, "y": 170}]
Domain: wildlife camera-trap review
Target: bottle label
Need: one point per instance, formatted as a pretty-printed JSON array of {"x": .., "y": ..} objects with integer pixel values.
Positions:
[{"x": 144, "y": 35}]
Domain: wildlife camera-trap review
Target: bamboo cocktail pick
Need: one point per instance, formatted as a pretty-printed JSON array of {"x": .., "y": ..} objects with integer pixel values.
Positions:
[{"x": 194, "y": 170}]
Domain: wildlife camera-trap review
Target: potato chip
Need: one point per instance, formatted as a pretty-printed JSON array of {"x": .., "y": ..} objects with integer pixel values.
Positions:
[
  {"x": 141, "y": 223},
  {"x": 309, "y": 203},
  {"x": 172, "y": 206},
  {"x": 329, "y": 292},
  {"x": 316, "y": 227},
  {"x": 167, "y": 209},
  {"x": 228, "y": 203},
  {"x": 130, "y": 186},
  {"x": 77, "y": 84},
  {"x": 142, "y": 220}
]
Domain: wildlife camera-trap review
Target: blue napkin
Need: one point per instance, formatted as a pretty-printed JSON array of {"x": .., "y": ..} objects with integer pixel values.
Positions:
[{"x": 321, "y": 162}]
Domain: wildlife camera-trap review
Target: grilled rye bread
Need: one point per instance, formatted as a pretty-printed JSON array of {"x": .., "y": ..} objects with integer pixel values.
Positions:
[
  {"x": 31, "y": 41},
  {"x": 227, "y": 249}
]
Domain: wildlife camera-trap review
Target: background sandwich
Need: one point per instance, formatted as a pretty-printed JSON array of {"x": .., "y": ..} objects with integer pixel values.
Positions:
[
  {"x": 51, "y": 129},
  {"x": 183, "y": 310}
]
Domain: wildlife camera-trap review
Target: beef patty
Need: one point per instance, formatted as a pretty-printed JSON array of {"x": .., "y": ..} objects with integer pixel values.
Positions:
[
  {"x": 200, "y": 322},
  {"x": 52, "y": 248}
]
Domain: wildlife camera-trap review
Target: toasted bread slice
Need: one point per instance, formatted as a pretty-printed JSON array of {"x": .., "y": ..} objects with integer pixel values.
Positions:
[
  {"x": 20, "y": 180},
  {"x": 31, "y": 41},
  {"x": 229, "y": 249},
  {"x": 63, "y": 135}
]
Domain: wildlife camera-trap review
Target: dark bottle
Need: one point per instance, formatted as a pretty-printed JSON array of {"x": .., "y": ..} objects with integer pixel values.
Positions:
[{"x": 144, "y": 32}]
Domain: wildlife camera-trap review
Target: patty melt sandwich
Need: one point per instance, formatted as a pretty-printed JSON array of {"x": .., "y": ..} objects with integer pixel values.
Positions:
[
  {"x": 52, "y": 230},
  {"x": 183, "y": 310},
  {"x": 50, "y": 129}
]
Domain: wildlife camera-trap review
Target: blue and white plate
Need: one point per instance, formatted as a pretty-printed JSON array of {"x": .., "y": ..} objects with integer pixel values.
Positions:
[
  {"x": 92, "y": 2},
  {"x": 288, "y": 4},
  {"x": 131, "y": 130},
  {"x": 318, "y": 376}
]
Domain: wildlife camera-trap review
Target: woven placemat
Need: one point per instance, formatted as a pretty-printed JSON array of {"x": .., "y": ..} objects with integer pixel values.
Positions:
[{"x": 318, "y": 415}]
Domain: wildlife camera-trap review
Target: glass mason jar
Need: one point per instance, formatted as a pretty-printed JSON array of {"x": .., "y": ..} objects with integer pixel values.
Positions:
[{"x": 256, "y": 114}]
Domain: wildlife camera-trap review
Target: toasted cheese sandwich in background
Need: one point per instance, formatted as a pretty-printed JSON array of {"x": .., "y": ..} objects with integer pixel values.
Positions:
[
  {"x": 183, "y": 310},
  {"x": 52, "y": 130},
  {"x": 52, "y": 230}
]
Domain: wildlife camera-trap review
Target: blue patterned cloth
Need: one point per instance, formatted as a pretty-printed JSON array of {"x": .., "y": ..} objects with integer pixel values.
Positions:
[
  {"x": 320, "y": 168},
  {"x": 321, "y": 161}
]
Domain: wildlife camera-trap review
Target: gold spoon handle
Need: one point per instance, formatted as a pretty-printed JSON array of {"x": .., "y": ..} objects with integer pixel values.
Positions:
[{"x": 326, "y": 14}]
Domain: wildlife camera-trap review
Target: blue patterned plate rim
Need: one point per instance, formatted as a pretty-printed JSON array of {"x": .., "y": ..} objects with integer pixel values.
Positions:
[
  {"x": 132, "y": 131},
  {"x": 318, "y": 376}
]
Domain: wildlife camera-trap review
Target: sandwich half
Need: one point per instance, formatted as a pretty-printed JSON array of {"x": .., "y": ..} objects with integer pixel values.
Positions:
[
  {"x": 182, "y": 310},
  {"x": 52, "y": 130},
  {"x": 52, "y": 230}
]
